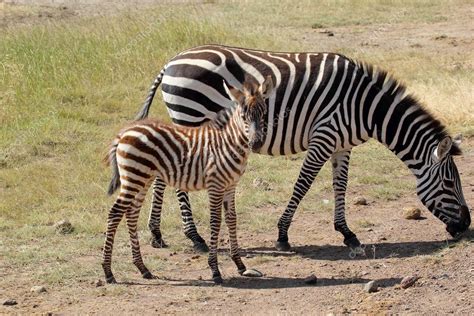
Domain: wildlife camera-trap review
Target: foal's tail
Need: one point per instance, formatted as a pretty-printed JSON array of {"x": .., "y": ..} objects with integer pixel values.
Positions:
[
  {"x": 143, "y": 114},
  {"x": 111, "y": 159}
]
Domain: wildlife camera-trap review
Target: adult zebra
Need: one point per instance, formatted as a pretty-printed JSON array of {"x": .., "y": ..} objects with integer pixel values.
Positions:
[{"x": 324, "y": 103}]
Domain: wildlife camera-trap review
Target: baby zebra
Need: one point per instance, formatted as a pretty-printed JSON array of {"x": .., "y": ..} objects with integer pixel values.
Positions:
[{"x": 211, "y": 157}]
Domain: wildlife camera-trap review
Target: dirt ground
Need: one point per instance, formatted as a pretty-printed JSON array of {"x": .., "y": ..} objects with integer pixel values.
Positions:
[{"x": 395, "y": 247}]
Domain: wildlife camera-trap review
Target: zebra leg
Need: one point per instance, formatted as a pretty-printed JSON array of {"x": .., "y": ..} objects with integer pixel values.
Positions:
[
  {"x": 155, "y": 214},
  {"x": 113, "y": 220},
  {"x": 215, "y": 201},
  {"x": 132, "y": 220},
  {"x": 188, "y": 222},
  {"x": 231, "y": 222},
  {"x": 313, "y": 162},
  {"x": 340, "y": 169}
]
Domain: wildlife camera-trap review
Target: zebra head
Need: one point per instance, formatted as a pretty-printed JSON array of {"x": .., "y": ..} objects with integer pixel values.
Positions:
[
  {"x": 440, "y": 188},
  {"x": 251, "y": 103}
]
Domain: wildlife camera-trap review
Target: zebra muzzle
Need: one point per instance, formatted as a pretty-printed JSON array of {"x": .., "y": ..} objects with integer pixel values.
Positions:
[{"x": 455, "y": 229}]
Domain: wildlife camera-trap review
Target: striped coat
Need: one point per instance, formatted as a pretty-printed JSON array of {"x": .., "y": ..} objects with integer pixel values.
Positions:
[{"x": 211, "y": 157}]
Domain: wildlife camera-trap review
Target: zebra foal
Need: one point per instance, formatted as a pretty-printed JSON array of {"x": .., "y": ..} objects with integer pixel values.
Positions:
[{"x": 212, "y": 157}]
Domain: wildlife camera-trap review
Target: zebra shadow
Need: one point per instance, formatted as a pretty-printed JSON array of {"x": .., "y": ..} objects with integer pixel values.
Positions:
[
  {"x": 372, "y": 251},
  {"x": 283, "y": 283}
]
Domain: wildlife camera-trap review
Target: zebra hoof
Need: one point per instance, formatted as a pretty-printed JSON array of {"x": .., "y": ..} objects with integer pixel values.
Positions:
[
  {"x": 282, "y": 246},
  {"x": 200, "y": 247},
  {"x": 110, "y": 280},
  {"x": 147, "y": 275},
  {"x": 352, "y": 242},
  {"x": 218, "y": 280},
  {"x": 158, "y": 243},
  {"x": 252, "y": 273}
]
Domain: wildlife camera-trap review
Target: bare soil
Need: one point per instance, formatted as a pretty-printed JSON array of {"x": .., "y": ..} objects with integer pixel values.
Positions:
[{"x": 395, "y": 247}]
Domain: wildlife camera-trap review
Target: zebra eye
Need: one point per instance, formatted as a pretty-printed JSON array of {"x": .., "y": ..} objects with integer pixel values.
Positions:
[{"x": 449, "y": 183}]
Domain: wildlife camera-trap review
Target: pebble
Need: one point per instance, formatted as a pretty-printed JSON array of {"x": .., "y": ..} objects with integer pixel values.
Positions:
[
  {"x": 370, "y": 287},
  {"x": 195, "y": 257},
  {"x": 411, "y": 213},
  {"x": 9, "y": 302},
  {"x": 38, "y": 289},
  {"x": 360, "y": 201},
  {"x": 98, "y": 283},
  {"x": 312, "y": 279},
  {"x": 408, "y": 281},
  {"x": 63, "y": 227},
  {"x": 187, "y": 260}
]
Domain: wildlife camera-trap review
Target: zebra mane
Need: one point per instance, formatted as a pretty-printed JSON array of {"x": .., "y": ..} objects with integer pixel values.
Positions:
[
  {"x": 222, "y": 118},
  {"x": 407, "y": 101}
]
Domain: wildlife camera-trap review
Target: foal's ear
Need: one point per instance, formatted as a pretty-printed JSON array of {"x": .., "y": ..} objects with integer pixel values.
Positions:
[
  {"x": 266, "y": 87},
  {"x": 234, "y": 94}
]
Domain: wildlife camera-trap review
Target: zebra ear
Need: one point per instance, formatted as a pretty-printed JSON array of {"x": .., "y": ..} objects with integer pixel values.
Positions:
[
  {"x": 443, "y": 147},
  {"x": 234, "y": 94},
  {"x": 266, "y": 87}
]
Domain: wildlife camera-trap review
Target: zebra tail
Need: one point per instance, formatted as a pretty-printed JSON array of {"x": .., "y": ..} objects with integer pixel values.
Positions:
[
  {"x": 143, "y": 114},
  {"x": 111, "y": 159}
]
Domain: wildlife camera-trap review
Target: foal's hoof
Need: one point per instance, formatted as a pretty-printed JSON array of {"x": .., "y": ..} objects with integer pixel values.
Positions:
[
  {"x": 282, "y": 246},
  {"x": 252, "y": 273},
  {"x": 217, "y": 279},
  {"x": 158, "y": 243},
  {"x": 110, "y": 280},
  {"x": 147, "y": 275},
  {"x": 200, "y": 247},
  {"x": 352, "y": 242}
]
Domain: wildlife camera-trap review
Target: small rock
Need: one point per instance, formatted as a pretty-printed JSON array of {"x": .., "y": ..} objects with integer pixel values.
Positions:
[
  {"x": 262, "y": 184},
  {"x": 98, "y": 283},
  {"x": 360, "y": 201},
  {"x": 38, "y": 289},
  {"x": 411, "y": 213},
  {"x": 9, "y": 302},
  {"x": 312, "y": 279},
  {"x": 249, "y": 255},
  {"x": 200, "y": 277},
  {"x": 408, "y": 281},
  {"x": 195, "y": 257},
  {"x": 370, "y": 287},
  {"x": 187, "y": 260},
  {"x": 325, "y": 201},
  {"x": 63, "y": 227},
  {"x": 252, "y": 273}
]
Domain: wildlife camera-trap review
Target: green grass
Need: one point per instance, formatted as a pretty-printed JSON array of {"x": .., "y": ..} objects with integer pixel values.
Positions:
[{"x": 67, "y": 86}]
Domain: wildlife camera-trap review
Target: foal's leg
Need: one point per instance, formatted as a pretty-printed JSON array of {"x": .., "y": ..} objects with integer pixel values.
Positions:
[
  {"x": 231, "y": 222},
  {"x": 155, "y": 214},
  {"x": 340, "y": 169},
  {"x": 115, "y": 216},
  {"x": 215, "y": 202},
  {"x": 132, "y": 220},
  {"x": 188, "y": 222}
]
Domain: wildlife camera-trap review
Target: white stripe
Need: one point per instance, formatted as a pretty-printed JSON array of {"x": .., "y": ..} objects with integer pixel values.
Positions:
[{"x": 198, "y": 86}]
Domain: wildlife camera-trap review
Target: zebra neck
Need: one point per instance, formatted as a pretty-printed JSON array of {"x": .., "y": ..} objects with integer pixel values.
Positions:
[
  {"x": 234, "y": 133},
  {"x": 410, "y": 132}
]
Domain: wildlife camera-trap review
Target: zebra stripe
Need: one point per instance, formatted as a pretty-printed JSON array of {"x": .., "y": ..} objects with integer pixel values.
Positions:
[
  {"x": 325, "y": 103},
  {"x": 212, "y": 157}
]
